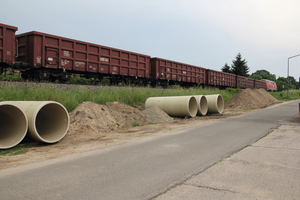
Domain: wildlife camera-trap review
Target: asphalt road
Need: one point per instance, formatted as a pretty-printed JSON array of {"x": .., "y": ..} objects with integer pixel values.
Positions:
[{"x": 142, "y": 169}]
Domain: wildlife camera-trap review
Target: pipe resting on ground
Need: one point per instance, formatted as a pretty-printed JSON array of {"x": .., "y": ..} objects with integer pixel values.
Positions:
[
  {"x": 215, "y": 103},
  {"x": 202, "y": 105},
  {"x": 48, "y": 121},
  {"x": 175, "y": 106},
  {"x": 13, "y": 125}
]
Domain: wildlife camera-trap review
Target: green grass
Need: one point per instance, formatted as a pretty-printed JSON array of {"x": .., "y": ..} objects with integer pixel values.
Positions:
[
  {"x": 282, "y": 96},
  {"x": 19, "y": 149},
  {"x": 152, "y": 123},
  {"x": 10, "y": 77},
  {"x": 134, "y": 124},
  {"x": 246, "y": 110},
  {"x": 71, "y": 98}
]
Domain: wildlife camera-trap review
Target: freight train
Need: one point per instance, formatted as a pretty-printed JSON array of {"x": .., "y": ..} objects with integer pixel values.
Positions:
[{"x": 43, "y": 56}]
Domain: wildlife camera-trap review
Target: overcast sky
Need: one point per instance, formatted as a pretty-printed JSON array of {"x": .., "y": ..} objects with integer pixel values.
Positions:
[{"x": 206, "y": 33}]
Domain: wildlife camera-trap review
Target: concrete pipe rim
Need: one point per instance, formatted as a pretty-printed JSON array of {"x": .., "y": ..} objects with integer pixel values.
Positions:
[
  {"x": 192, "y": 106},
  {"x": 56, "y": 127},
  {"x": 203, "y": 108},
  {"x": 14, "y": 122},
  {"x": 220, "y": 104}
]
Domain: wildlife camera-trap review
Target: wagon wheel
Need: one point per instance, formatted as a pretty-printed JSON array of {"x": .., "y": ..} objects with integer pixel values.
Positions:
[
  {"x": 128, "y": 81},
  {"x": 52, "y": 78},
  {"x": 24, "y": 75},
  {"x": 165, "y": 85},
  {"x": 156, "y": 84},
  {"x": 35, "y": 76},
  {"x": 140, "y": 82},
  {"x": 64, "y": 77}
]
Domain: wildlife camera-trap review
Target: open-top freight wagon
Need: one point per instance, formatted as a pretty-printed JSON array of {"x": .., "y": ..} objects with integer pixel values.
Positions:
[
  {"x": 7, "y": 46},
  {"x": 52, "y": 57},
  {"x": 43, "y": 56},
  {"x": 220, "y": 79},
  {"x": 166, "y": 72}
]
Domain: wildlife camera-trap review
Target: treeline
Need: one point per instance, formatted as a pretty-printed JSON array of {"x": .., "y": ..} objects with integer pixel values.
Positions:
[{"x": 239, "y": 67}]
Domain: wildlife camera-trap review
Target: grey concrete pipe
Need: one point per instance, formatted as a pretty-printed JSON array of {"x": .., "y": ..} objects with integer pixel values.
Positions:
[
  {"x": 48, "y": 121},
  {"x": 13, "y": 125},
  {"x": 215, "y": 103},
  {"x": 175, "y": 106},
  {"x": 202, "y": 104}
]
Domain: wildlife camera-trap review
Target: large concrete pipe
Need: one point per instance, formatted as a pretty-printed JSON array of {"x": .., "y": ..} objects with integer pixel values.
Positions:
[
  {"x": 202, "y": 104},
  {"x": 175, "y": 106},
  {"x": 48, "y": 121},
  {"x": 215, "y": 103},
  {"x": 13, "y": 125}
]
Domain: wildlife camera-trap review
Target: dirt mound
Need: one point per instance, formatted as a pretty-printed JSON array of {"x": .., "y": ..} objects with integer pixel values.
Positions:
[
  {"x": 93, "y": 118},
  {"x": 156, "y": 115},
  {"x": 251, "y": 98}
]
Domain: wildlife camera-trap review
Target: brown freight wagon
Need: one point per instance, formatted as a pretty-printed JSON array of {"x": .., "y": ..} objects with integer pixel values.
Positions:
[
  {"x": 220, "y": 79},
  {"x": 166, "y": 72},
  {"x": 241, "y": 82},
  {"x": 53, "y": 57},
  {"x": 7, "y": 46},
  {"x": 260, "y": 84},
  {"x": 250, "y": 83}
]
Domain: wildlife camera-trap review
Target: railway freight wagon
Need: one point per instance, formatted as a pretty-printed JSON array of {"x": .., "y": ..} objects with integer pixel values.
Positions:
[
  {"x": 250, "y": 83},
  {"x": 260, "y": 84},
  {"x": 220, "y": 79},
  {"x": 241, "y": 82},
  {"x": 166, "y": 72},
  {"x": 7, "y": 46},
  {"x": 244, "y": 82},
  {"x": 53, "y": 57}
]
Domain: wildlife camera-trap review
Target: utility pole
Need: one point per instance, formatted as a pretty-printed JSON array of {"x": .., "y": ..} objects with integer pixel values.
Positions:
[{"x": 288, "y": 67}]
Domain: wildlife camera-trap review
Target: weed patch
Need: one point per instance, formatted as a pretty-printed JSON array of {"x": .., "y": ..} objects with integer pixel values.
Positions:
[{"x": 19, "y": 149}]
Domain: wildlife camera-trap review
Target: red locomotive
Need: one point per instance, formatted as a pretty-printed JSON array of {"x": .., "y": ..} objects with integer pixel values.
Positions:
[
  {"x": 271, "y": 85},
  {"x": 43, "y": 56}
]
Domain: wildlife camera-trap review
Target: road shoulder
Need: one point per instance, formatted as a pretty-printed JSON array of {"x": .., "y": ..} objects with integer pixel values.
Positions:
[{"x": 267, "y": 169}]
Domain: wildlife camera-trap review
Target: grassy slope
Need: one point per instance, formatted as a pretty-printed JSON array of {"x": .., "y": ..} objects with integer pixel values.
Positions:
[{"x": 133, "y": 96}]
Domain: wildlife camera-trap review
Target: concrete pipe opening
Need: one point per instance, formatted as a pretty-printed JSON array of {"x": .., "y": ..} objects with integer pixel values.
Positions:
[
  {"x": 51, "y": 123},
  {"x": 193, "y": 107},
  {"x": 48, "y": 121},
  {"x": 202, "y": 105},
  {"x": 13, "y": 125},
  {"x": 215, "y": 103},
  {"x": 175, "y": 106}
]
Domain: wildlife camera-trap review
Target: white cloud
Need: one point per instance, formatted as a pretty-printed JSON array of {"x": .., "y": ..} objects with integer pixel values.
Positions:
[{"x": 260, "y": 24}]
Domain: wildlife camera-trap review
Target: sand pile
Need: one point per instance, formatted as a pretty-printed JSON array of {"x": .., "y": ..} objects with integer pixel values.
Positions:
[
  {"x": 251, "y": 98},
  {"x": 91, "y": 117},
  {"x": 156, "y": 115},
  {"x": 94, "y": 119}
]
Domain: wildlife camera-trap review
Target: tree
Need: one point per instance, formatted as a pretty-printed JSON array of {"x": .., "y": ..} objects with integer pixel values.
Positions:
[
  {"x": 264, "y": 74},
  {"x": 239, "y": 66},
  {"x": 291, "y": 80},
  {"x": 281, "y": 83},
  {"x": 226, "y": 68},
  {"x": 256, "y": 76},
  {"x": 293, "y": 84}
]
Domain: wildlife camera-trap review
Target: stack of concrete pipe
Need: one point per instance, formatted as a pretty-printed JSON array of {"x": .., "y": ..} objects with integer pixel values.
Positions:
[
  {"x": 188, "y": 106},
  {"x": 44, "y": 121}
]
